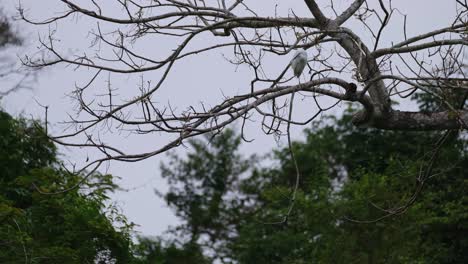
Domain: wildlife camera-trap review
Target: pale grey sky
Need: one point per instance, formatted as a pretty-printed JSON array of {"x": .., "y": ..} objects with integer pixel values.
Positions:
[{"x": 199, "y": 79}]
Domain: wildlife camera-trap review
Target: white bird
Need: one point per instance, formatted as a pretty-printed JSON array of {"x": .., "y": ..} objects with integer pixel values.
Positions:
[{"x": 298, "y": 62}]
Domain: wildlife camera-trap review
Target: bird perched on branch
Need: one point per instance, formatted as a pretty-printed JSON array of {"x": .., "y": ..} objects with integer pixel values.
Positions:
[{"x": 299, "y": 62}]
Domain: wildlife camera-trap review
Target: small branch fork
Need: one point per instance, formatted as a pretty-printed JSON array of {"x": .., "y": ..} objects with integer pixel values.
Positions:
[{"x": 343, "y": 67}]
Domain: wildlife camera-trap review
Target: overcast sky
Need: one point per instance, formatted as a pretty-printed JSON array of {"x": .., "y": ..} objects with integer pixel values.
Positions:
[{"x": 198, "y": 79}]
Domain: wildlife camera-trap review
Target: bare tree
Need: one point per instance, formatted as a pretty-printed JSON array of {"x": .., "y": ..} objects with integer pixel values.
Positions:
[{"x": 344, "y": 66}]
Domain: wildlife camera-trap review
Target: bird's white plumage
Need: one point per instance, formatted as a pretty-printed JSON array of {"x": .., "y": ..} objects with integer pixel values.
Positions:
[{"x": 298, "y": 62}]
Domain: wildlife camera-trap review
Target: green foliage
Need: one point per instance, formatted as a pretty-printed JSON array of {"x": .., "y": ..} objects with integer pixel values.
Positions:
[
  {"x": 378, "y": 172},
  {"x": 73, "y": 227},
  {"x": 7, "y": 34},
  {"x": 155, "y": 251},
  {"x": 351, "y": 181},
  {"x": 202, "y": 190}
]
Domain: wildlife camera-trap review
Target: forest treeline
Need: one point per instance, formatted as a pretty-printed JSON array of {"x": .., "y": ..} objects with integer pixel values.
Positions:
[
  {"x": 364, "y": 196},
  {"x": 350, "y": 195}
]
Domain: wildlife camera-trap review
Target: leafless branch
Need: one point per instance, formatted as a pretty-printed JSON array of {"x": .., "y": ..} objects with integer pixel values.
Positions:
[{"x": 343, "y": 67}]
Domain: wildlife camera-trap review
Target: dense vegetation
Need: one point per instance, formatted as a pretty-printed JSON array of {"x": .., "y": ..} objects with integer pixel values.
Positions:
[
  {"x": 73, "y": 227},
  {"x": 364, "y": 196}
]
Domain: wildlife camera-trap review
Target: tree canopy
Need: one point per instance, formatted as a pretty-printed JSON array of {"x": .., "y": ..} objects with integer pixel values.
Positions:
[
  {"x": 76, "y": 226},
  {"x": 11, "y": 76},
  {"x": 407, "y": 204},
  {"x": 384, "y": 183},
  {"x": 354, "y": 58},
  {"x": 364, "y": 196},
  {"x": 72, "y": 227}
]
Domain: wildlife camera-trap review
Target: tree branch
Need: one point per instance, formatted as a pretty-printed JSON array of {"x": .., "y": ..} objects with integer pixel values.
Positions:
[
  {"x": 348, "y": 12},
  {"x": 419, "y": 121},
  {"x": 317, "y": 13}
]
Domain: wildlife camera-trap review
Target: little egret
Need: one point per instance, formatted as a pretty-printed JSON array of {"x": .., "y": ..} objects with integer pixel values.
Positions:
[{"x": 299, "y": 62}]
